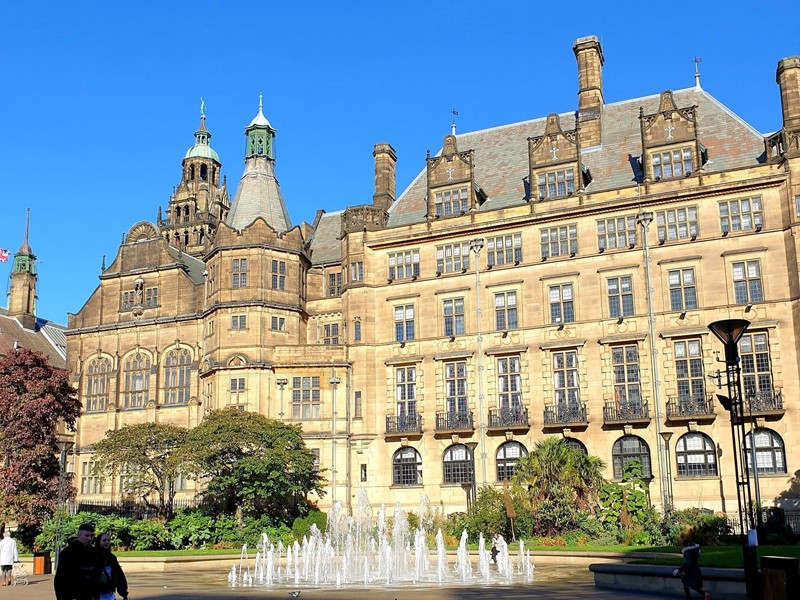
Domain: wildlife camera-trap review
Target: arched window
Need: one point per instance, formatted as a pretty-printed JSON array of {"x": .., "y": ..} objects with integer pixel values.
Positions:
[
  {"x": 185, "y": 238},
  {"x": 186, "y": 214},
  {"x": 508, "y": 456},
  {"x": 628, "y": 448},
  {"x": 177, "y": 376},
  {"x": 191, "y": 173},
  {"x": 203, "y": 172},
  {"x": 407, "y": 467},
  {"x": 137, "y": 380},
  {"x": 97, "y": 379},
  {"x": 696, "y": 456},
  {"x": 573, "y": 443},
  {"x": 770, "y": 452},
  {"x": 459, "y": 464}
]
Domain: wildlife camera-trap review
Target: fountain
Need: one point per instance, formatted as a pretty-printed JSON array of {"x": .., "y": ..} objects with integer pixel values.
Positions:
[{"x": 357, "y": 551}]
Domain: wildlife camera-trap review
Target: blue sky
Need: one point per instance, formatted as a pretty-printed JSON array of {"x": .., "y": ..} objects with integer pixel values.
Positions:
[{"x": 99, "y": 101}]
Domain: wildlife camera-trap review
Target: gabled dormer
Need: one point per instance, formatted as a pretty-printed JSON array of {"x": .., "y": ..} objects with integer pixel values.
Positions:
[
  {"x": 554, "y": 165},
  {"x": 670, "y": 146},
  {"x": 451, "y": 182}
]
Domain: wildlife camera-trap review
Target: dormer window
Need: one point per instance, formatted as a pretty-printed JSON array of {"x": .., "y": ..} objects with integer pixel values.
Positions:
[
  {"x": 451, "y": 202},
  {"x": 555, "y": 184},
  {"x": 672, "y": 163}
]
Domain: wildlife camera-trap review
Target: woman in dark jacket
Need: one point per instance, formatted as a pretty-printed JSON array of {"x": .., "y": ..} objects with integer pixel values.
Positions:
[
  {"x": 112, "y": 578},
  {"x": 689, "y": 571}
]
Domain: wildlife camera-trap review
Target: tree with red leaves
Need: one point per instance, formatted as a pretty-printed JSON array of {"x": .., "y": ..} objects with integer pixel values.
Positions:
[{"x": 35, "y": 397}]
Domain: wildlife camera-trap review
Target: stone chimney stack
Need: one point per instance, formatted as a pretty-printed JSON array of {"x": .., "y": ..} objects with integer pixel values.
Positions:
[
  {"x": 589, "y": 55},
  {"x": 385, "y": 185},
  {"x": 788, "y": 77}
]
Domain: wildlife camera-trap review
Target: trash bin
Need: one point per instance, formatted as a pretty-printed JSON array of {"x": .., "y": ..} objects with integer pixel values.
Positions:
[
  {"x": 781, "y": 576},
  {"x": 41, "y": 563}
]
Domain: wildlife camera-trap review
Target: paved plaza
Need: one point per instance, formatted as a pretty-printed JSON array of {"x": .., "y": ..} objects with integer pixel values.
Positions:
[{"x": 558, "y": 584}]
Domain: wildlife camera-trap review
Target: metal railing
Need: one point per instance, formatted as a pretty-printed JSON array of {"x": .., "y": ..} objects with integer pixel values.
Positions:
[
  {"x": 626, "y": 411},
  {"x": 690, "y": 406},
  {"x": 508, "y": 417},
  {"x": 569, "y": 412},
  {"x": 768, "y": 400},
  {"x": 454, "y": 421},
  {"x": 404, "y": 424}
]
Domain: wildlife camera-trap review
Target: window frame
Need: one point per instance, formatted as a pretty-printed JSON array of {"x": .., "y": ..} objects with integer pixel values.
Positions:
[
  {"x": 506, "y": 464},
  {"x": 504, "y": 249},
  {"x": 404, "y": 327},
  {"x": 620, "y": 457},
  {"x": 406, "y": 470},
  {"x": 239, "y": 273},
  {"x": 682, "y": 294},
  {"x": 608, "y": 231},
  {"x": 620, "y": 302},
  {"x": 707, "y": 467},
  {"x": 562, "y": 308},
  {"x": 733, "y": 213},
  {"x": 455, "y": 469},
  {"x": 747, "y": 288},
  {"x": 453, "y": 317}
]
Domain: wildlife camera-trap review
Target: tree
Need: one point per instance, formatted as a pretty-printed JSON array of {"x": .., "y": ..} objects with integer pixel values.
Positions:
[
  {"x": 553, "y": 470},
  {"x": 35, "y": 397},
  {"x": 148, "y": 457},
  {"x": 254, "y": 463}
]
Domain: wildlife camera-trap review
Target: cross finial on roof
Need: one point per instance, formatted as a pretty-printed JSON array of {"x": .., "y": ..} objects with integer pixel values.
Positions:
[
  {"x": 697, "y": 62},
  {"x": 453, "y": 112}
]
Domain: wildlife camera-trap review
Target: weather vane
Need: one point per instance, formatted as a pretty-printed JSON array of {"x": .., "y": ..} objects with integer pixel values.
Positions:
[{"x": 453, "y": 112}]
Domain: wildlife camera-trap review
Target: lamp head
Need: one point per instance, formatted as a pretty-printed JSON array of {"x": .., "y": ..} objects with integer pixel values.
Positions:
[{"x": 729, "y": 332}]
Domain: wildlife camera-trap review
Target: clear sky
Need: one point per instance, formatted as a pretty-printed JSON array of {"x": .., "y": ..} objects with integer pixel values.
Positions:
[{"x": 99, "y": 101}]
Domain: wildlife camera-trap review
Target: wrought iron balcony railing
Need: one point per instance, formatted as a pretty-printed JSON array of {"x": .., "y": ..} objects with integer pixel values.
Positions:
[
  {"x": 690, "y": 407},
  {"x": 503, "y": 418},
  {"x": 566, "y": 414},
  {"x": 404, "y": 424},
  {"x": 626, "y": 412},
  {"x": 763, "y": 401},
  {"x": 454, "y": 421}
]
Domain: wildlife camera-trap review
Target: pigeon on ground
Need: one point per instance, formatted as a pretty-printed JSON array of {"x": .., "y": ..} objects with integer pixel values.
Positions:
[{"x": 295, "y": 593}]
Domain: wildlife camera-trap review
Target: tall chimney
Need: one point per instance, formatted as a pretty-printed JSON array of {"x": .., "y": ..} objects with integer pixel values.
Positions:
[
  {"x": 385, "y": 185},
  {"x": 788, "y": 77},
  {"x": 589, "y": 55}
]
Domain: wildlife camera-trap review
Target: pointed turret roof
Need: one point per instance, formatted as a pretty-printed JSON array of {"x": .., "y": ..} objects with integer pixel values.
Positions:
[{"x": 259, "y": 194}]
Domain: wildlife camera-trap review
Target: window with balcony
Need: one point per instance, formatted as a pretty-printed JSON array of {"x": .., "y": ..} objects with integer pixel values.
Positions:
[
  {"x": 682, "y": 289},
  {"x": 741, "y": 215},
  {"x": 562, "y": 304},
  {"x": 559, "y": 241},
  {"x": 459, "y": 464},
  {"x": 505, "y": 311},
  {"x": 505, "y": 249},
  {"x": 747, "y": 288},
  {"x": 406, "y": 467},
  {"x": 177, "y": 377},
  {"x": 565, "y": 380},
  {"x": 405, "y": 393},
  {"x": 452, "y": 258},
  {"x": 689, "y": 375},
  {"x": 616, "y": 233},
  {"x": 509, "y": 385},
  {"x": 404, "y": 265},
  {"x": 453, "y": 316},
  {"x": 625, "y": 368},
  {"x": 696, "y": 456},
  {"x": 756, "y": 370},
  {"x": 279, "y": 275},
  {"x": 628, "y": 448},
  {"x": 620, "y": 296},
  {"x": 507, "y": 457},
  {"x": 404, "y": 323},
  {"x": 770, "y": 452},
  {"x": 305, "y": 398},
  {"x": 239, "y": 273},
  {"x": 98, "y": 375},
  {"x": 676, "y": 224},
  {"x": 455, "y": 385}
]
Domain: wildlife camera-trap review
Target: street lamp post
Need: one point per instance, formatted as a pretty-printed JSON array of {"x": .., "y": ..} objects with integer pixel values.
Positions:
[
  {"x": 281, "y": 381},
  {"x": 476, "y": 246},
  {"x": 644, "y": 219},
  {"x": 729, "y": 332},
  {"x": 334, "y": 381},
  {"x": 65, "y": 444}
]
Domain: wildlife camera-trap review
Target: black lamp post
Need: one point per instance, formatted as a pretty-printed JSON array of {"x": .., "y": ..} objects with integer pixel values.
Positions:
[
  {"x": 729, "y": 332},
  {"x": 65, "y": 444}
]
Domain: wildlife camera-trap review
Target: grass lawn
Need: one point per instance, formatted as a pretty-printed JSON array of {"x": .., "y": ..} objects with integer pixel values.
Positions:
[{"x": 726, "y": 557}]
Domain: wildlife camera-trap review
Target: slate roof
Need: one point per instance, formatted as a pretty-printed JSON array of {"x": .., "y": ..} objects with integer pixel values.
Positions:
[
  {"x": 48, "y": 338},
  {"x": 259, "y": 195},
  {"x": 326, "y": 247},
  {"x": 194, "y": 266},
  {"x": 501, "y": 153}
]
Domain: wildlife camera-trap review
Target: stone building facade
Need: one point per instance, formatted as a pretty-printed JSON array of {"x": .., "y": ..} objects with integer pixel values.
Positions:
[{"x": 553, "y": 277}]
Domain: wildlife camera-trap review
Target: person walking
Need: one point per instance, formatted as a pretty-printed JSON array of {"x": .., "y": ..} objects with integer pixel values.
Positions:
[
  {"x": 112, "y": 577},
  {"x": 8, "y": 556},
  {"x": 689, "y": 571},
  {"x": 78, "y": 573}
]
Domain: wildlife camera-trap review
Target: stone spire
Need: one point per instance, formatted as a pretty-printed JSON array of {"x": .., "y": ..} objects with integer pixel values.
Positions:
[
  {"x": 259, "y": 194},
  {"x": 22, "y": 295}
]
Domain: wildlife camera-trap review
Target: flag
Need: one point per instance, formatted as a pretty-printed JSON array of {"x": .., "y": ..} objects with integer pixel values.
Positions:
[{"x": 4, "y": 254}]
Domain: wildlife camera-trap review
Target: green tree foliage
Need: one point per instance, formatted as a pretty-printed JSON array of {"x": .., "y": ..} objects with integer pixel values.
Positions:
[
  {"x": 255, "y": 464},
  {"x": 148, "y": 456},
  {"x": 554, "y": 471},
  {"x": 487, "y": 514},
  {"x": 627, "y": 506},
  {"x": 34, "y": 398}
]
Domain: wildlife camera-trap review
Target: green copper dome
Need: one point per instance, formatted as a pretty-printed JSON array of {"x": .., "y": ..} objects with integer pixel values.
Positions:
[
  {"x": 202, "y": 151},
  {"x": 202, "y": 137}
]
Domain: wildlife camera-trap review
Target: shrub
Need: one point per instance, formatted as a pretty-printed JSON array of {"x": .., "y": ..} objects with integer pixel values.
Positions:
[
  {"x": 149, "y": 534},
  {"x": 696, "y": 524},
  {"x": 302, "y": 525},
  {"x": 487, "y": 515},
  {"x": 191, "y": 528}
]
